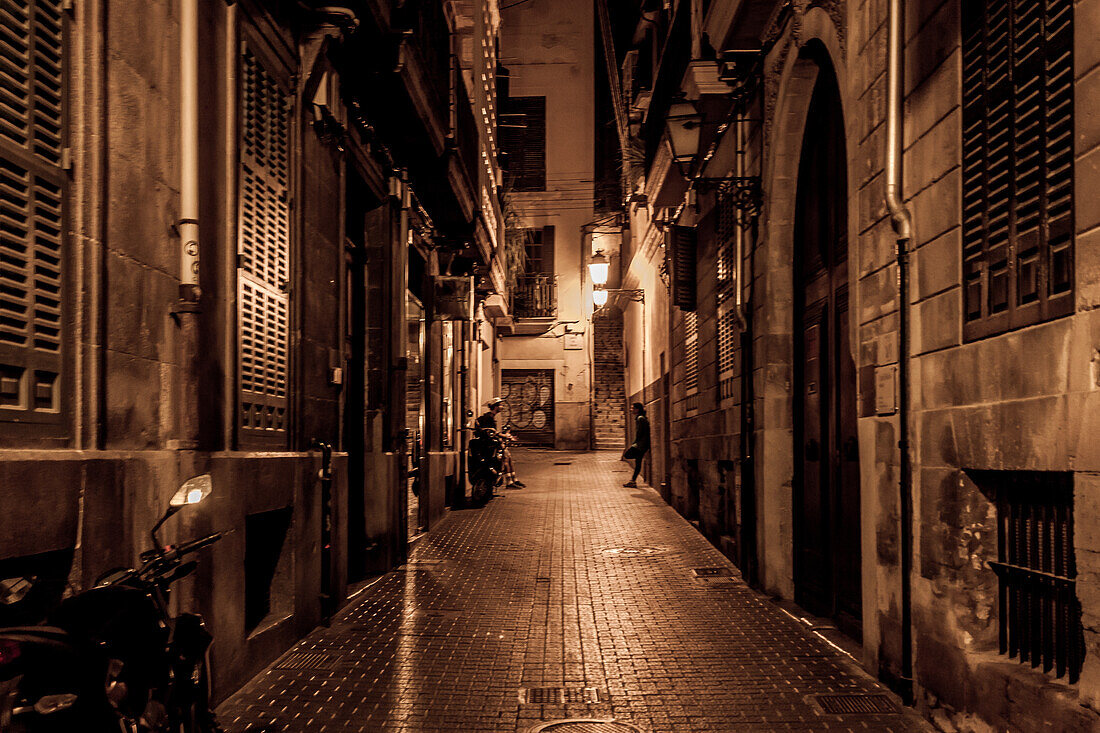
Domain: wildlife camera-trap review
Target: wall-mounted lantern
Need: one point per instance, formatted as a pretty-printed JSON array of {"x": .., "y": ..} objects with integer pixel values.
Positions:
[
  {"x": 599, "y": 266},
  {"x": 599, "y": 297},
  {"x": 682, "y": 127}
]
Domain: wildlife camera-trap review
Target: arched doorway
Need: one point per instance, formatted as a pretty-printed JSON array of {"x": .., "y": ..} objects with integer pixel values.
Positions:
[{"x": 827, "y": 558}]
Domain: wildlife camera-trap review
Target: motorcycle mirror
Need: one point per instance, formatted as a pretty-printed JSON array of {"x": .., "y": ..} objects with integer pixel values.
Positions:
[
  {"x": 54, "y": 703},
  {"x": 13, "y": 590},
  {"x": 193, "y": 491}
]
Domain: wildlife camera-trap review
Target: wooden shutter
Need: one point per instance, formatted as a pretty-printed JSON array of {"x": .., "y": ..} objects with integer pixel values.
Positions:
[
  {"x": 681, "y": 247},
  {"x": 263, "y": 251},
  {"x": 1017, "y": 174},
  {"x": 523, "y": 142},
  {"x": 725, "y": 225},
  {"x": 32, "y": 220},
  {"x": 548, "y": 251}
]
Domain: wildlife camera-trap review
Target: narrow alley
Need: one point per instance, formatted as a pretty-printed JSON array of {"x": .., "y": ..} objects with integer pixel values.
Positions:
[{"x": 572, "y": 584}]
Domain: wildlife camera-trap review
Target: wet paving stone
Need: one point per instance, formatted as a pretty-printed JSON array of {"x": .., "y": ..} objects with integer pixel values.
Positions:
[{"x": 573, "y": 583}]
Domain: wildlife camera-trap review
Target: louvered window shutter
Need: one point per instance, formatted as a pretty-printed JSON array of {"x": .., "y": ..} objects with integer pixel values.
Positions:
[
  {"x": 32, "y": 220},
  {"x": 1017, "y": 174},
  {"x": 523, "y": 142},
  {"x": 681, "y": 246},
  {"x": 691, "y": 352},
  {"x": 263, "y": 252}
]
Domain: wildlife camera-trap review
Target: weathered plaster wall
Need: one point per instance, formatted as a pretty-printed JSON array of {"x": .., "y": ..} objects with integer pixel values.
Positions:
[{"x": 549, "y": 49}]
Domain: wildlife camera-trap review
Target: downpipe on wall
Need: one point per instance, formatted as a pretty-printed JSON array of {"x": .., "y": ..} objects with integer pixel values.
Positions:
[{"x": 901, "y": 220}]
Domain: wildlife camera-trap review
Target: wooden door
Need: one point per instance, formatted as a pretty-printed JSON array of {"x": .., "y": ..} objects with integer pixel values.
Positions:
[{"x": 827, "y": 490}]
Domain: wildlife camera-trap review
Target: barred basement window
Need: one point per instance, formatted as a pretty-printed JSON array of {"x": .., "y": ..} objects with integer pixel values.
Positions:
[
  {"x": 1040, "y": 616},
  {"x": 32, "y": 215},
  {"x": 263, "y": 253},
  {"x": 691, "y": 359},
  {"x": 1017, "y": 174}
]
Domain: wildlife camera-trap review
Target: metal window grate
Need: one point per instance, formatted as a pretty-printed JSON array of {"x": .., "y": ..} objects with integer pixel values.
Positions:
[
  {"x": 1017, "y": 163},
  {"x": 1040, "y": 616}
]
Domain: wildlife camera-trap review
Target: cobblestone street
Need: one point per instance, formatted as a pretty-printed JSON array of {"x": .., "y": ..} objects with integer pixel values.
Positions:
[{"x": 572, "y": 583}]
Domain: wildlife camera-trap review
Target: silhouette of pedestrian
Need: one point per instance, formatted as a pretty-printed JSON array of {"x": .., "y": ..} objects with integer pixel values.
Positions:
[{"x": 640, "y": 446}]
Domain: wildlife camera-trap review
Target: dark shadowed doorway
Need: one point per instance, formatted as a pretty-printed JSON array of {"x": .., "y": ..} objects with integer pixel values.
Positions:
[{"x": 826, "y": 490}]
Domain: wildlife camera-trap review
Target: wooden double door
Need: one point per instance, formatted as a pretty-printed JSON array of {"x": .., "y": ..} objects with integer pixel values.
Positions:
[{"x": 827, "y": 558}]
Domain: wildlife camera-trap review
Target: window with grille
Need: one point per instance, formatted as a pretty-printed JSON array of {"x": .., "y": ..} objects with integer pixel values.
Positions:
[
  {"x": 1040, "y": 616},
  {"x": 263, "y": 251},
  {"x": 32, "y": 218},
  {"x": 691, "y": 359},
  {"x": 725, "y": 224},
  {"x": 680, "y": 245},
  {"x": 523, "y": 141},
  {"x": 1017, "y": 174}
]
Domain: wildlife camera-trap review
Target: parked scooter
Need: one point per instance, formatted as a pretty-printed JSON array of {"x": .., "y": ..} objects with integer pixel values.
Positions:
[
  {"x": 484, "y": 463},
  {"x": 112, "y": 658}
]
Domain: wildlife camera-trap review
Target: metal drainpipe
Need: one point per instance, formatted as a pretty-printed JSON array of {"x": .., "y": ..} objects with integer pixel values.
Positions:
[
  {"x": 187, "y": 309},
  {"x": 902, "y": 223},
  {"x": 738, "y": 230}
]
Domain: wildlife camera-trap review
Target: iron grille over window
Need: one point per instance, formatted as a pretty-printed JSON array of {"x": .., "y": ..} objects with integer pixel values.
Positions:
[
  {"x": 523, "y": 141},
  {"x": 32, "y": 195},
  {"x": 1017, "y": 174},
  {"x": 691, "y": 358},
  {"x": 263, "y": 247},
  {"x": 1040, "y": 616}
]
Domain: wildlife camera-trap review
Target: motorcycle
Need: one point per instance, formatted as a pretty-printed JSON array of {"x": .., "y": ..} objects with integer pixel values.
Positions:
[
  {"x": 484, "y": 463},
  {"x": 113, "y": 658}
]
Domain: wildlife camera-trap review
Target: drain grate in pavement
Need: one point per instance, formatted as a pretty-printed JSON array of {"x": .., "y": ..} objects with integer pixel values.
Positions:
[
  {"x": 558, "y": 695},
  {"x": 634, "y": 551},
  {"x": 563, "y": 463},
  {"x": 856, "y": 704},
  {"x": 305, "y": 660},
  {"x": 712, "y": 572},
  {"x": 584, "y": 725}
]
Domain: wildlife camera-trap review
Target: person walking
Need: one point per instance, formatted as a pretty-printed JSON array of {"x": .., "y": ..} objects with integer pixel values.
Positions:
[{"x": 640, "y": 446}]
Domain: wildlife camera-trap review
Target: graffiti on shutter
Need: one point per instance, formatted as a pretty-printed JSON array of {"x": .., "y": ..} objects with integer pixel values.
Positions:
[
  {"x": 263, "y": 251},
  {"x": 682, "y": 248},
  {"x": 528, "y": 409},
  {"x": 32, "y": 255}
]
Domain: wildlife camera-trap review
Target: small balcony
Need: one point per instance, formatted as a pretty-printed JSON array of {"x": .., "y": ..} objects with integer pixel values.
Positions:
[{"x": 535, "y": 296}]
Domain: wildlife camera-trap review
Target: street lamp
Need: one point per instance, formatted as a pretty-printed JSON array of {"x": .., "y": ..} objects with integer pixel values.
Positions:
[
  {"x": 600, "y": 294},
  {"x": 599, "y": 297},
  {"x": 598, "y": 266},
  {"x": 683, "y": 124}
]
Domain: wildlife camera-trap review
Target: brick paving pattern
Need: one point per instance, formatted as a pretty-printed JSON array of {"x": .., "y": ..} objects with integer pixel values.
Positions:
[{"x": 573, "y": 582}]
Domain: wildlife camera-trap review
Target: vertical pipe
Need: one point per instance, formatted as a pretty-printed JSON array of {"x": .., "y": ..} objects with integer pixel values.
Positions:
[
  {"x": 188, "y": 416},
  {"x": 738, "y": 230},
  {"x": 189, "y": 150},
  {"x": 902, "y": 223},
  {"x": 229, "y": 229}
]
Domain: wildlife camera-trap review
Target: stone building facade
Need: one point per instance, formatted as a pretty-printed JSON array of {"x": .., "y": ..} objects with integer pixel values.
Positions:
[
  {"x": 337, "y": 166},
  {"x": 908, "y": 454}
]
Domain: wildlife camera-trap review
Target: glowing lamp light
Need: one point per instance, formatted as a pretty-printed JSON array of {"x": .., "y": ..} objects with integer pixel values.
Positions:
[
  {"x": 599, "y": 297},
  {"x": 194, "y": 496},
  {"x": 599, "y": 266}
]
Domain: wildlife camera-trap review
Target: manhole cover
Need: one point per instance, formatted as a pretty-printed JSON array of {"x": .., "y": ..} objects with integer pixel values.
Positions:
[
  {"x": 425, "y": 563},
  {"x": 585, "y": 725},
  {"x": 633, "y": 551},
  {"x": 856, "y": 704},
  {"x": 558, "y": 695},
  {"x": 305, "y": 660}
]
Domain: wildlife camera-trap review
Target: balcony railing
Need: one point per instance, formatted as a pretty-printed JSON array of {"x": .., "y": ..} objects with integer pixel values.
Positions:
[{"x": 535, "y": 296}]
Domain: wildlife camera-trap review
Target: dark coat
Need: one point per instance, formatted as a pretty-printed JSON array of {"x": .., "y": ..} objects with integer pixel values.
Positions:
[{"x": 641, "y": 434}]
